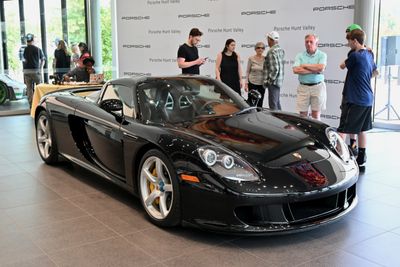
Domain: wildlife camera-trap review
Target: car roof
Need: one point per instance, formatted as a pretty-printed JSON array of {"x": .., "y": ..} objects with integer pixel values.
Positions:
[{"x": 133, "y": 81}]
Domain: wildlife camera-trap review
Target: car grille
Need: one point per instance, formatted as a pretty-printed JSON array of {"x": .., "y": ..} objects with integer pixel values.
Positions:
[{"x": 296, "y": 212}]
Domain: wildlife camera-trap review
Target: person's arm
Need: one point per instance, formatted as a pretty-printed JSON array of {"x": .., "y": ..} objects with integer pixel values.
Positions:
[
  {"x": 69, "y": 74},
  {"x": 301, "y": 70},
  {"x": 351, "y": 60},
  {"x": 274, "y": 67},
  {"x": 54, "y": 62},
  {"x": 181, "y": 60},
  {"x": 375, "y": 71},
  {"x": 297, "y": 68},
  {"x": 42, "y": 59},
  {"x": 187, "y": 64},
  {"x": 218, "y": 66},
  {"x": 246, "y": 86},
  {"x": 319, "y": 67},
  {"x": 314, "y": 68},
  {"x": 240, "y": 71}
]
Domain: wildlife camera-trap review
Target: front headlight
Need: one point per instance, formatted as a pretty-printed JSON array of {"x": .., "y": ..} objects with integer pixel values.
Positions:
[
  {"x": 227, "y": 165},
  {"x": 338, "y": 144}
]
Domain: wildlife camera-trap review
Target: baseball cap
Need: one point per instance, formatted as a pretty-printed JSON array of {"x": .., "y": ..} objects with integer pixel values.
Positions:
[
  {"x": 29, "y": 37},
  {"x": 353, "y": 27},
  {"x": 273, "y": 35}
]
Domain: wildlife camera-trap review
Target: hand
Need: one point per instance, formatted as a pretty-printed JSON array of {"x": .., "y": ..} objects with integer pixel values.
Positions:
[
  {"x": 246, "y": 87},
  {"x": 342, "y": 65},
  {"x": 204, "y": 60},
  {"x": 241, "y": 83}
]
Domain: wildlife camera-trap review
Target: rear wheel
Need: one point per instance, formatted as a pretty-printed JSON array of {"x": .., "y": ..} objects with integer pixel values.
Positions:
[
  {"x": 159, "y": 190},
  {"x": 3, "y": 93},
  {"x": 45, "y": 140}
]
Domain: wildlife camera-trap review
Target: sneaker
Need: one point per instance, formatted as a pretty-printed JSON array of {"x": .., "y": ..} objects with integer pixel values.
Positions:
[
  {"x": 354, "y": 150},
  {"x": 361, "y": 159}
]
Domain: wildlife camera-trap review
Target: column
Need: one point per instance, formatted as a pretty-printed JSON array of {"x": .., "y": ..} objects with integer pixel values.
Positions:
[
  {"x": 94, "y": 33},
  {"x": 3, "y": 36},
  {"x": 364, "y": 16}
]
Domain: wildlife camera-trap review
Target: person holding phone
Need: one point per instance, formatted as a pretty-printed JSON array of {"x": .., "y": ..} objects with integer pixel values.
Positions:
[{"x": 188, "y": 54}]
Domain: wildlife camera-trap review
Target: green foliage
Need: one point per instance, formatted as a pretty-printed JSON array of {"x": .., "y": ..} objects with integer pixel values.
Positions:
[
  {"x": 390, "y": 20},
  {"x": 13, "y": 42},
  {"x": 106, "y": 41},
  {"x": 76, "y": 21}
]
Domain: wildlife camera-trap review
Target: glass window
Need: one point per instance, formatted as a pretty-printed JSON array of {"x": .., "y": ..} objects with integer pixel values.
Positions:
[
  {"x": 53, "y": 31},
  {"x": 105, "y": 17},
  {"x": 76, "y": 21},
  {"x": 387, "y": 87},
  {"x": 13, "y": 39},
  {"x": 181, "y": 100},
  {"x": 123, "y": 93}
]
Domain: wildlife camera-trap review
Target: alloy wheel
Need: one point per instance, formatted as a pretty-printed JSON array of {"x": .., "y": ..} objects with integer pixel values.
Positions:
[
  {"x": 43, "y": 135},
  {"x": 156, "y": 188}
]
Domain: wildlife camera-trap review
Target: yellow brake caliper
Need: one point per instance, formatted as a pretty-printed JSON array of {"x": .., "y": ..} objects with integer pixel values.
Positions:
[{"x": 152, "y": 187}]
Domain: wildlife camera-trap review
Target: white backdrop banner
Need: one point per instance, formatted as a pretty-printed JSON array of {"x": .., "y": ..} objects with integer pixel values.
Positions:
[{"x": 149, "y": 33}]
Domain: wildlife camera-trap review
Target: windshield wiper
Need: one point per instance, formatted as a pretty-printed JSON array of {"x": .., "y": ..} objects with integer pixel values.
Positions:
[{"x": 245, "y": 110}]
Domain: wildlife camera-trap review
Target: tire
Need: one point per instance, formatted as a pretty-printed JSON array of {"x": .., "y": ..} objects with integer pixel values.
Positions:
[
  {"x": 159, "y": 194},
  {"x": 3, "y": 93},
  {"x": 45, "y": 141}
]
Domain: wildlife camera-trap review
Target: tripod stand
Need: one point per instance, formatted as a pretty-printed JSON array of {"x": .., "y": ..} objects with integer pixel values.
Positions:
[{"x": 388, "y": 105}]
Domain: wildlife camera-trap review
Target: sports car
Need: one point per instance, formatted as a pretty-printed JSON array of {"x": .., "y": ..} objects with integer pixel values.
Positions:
[
  {"x": 197, "y": 154},
  {"x": 10, "y": 89}
]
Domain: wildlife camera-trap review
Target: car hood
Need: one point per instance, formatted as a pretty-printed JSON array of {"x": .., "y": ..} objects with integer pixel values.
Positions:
[{"x": 263, "y": 137}]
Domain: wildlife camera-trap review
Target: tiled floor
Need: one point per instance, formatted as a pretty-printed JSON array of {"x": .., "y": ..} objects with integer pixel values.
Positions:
[
  {"x": 66, "y": 216},
  {"x": 15, "y": 107}
]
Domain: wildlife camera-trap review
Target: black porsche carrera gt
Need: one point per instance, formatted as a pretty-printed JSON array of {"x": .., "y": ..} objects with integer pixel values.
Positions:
[{"x": 196, "y": 153}]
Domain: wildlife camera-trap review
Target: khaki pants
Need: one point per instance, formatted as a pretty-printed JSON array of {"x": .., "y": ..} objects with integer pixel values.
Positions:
[
  {"x": 31, "y": 78},
  {"x": 314, "y": 96}
]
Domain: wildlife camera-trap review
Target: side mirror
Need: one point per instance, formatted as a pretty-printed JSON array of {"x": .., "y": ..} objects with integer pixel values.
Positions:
[
  {"x": 111, "y": 105},
  {"x": 253, "y": 97}
]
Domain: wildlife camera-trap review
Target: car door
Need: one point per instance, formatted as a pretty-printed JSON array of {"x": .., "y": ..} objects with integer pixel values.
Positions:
[{"x": 103, "y": 134}]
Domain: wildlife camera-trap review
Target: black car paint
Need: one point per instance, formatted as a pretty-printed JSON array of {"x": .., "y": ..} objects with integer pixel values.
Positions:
[{"x": 112, "y": 147}]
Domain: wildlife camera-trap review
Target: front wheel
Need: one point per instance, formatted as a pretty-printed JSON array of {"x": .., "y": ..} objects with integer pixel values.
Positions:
[
  {"x": 159, "y": 190},
  {"x": 3, "y": 93},
  {"x": 45, "y": 140}
]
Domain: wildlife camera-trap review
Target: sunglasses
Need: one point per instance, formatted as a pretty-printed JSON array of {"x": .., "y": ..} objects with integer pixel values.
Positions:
[{"x": 260, "y": 47}]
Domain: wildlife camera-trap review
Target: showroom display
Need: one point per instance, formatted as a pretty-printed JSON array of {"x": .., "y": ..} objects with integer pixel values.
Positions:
[
  {"x": 197, "y": 154},
  {"x": 10, "y": 89}
]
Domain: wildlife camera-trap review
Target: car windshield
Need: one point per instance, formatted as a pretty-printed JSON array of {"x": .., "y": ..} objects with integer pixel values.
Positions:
[{"x": 175, "y": 100}]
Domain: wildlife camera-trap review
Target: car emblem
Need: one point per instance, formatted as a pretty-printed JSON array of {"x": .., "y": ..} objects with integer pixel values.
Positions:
[{"x": 310, "y": 174}]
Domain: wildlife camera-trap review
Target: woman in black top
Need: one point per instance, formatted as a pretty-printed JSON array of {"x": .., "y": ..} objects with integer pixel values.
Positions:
[
  {"x": 228, "y": 68},
  {"x": 62, "y": 60}
]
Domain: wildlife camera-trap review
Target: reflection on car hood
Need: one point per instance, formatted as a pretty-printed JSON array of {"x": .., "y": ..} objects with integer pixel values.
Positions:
[{"x": 260, "y": 136}]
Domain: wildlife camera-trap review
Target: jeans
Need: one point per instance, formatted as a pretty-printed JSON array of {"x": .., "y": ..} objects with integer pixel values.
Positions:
[{"x": 273, "y": 97}]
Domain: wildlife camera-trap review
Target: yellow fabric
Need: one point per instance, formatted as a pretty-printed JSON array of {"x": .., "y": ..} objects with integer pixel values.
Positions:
[{"x": 44, "y": 88}]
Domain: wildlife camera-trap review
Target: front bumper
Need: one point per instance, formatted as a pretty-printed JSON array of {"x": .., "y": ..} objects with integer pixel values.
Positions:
[{"x": 228, "y": 212}]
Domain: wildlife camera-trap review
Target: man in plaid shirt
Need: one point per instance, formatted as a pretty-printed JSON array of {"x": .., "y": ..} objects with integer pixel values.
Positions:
[{"x": 273, "y": 70}]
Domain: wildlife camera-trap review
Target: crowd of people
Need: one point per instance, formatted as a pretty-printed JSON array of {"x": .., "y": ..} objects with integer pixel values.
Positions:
[
  {"x": 265, "y": 73},
  {"x": 76, "y": 65}
]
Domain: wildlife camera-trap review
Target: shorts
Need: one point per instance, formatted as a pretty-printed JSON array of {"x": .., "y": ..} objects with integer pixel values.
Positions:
[
  {"x": 314, "y": 96},
  {"x": 355, "y": 119}
]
